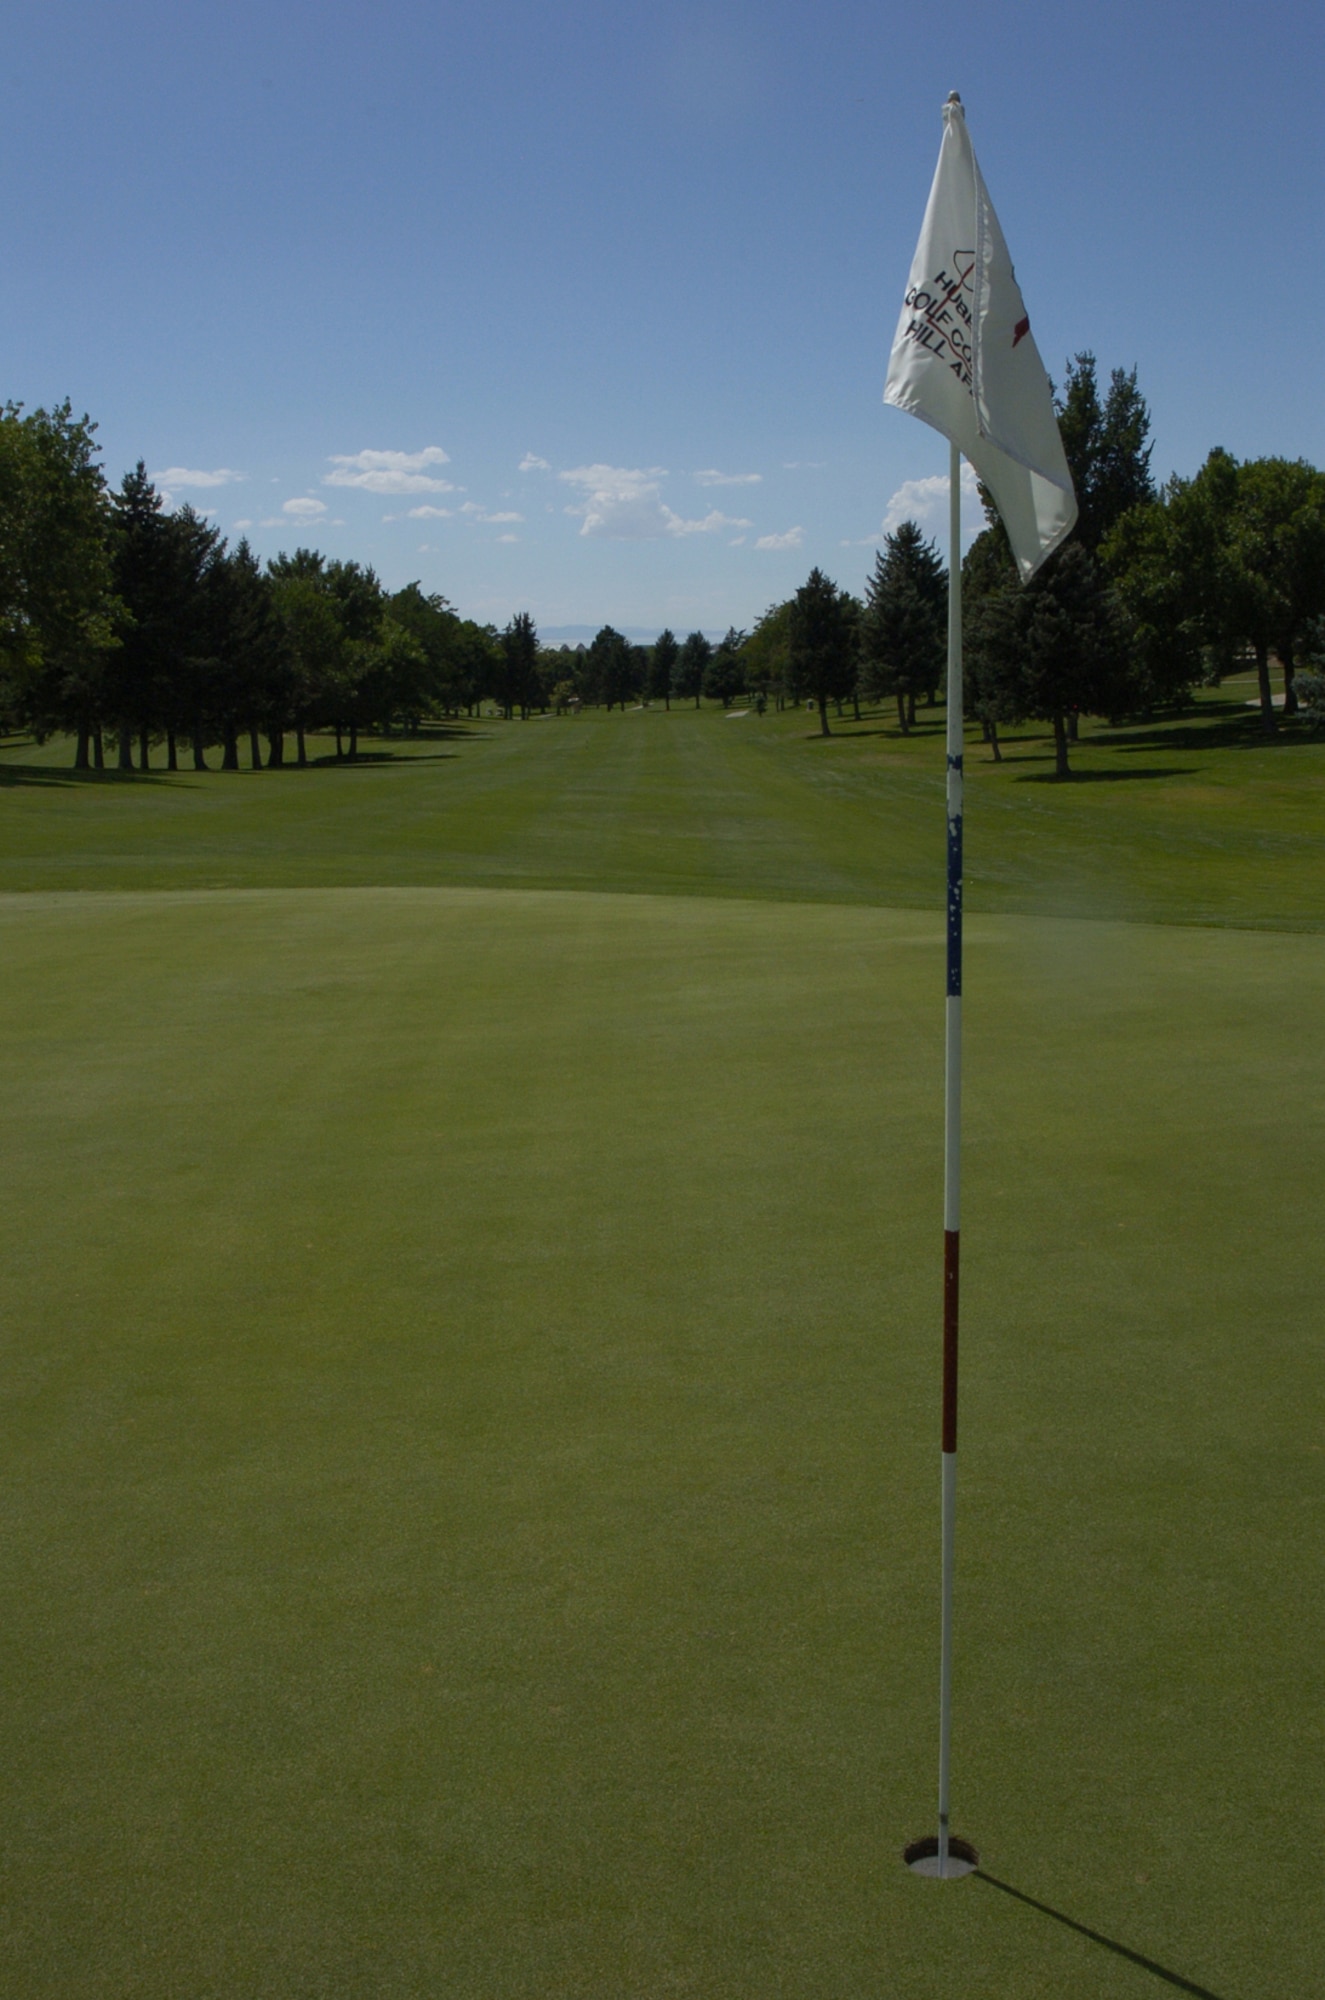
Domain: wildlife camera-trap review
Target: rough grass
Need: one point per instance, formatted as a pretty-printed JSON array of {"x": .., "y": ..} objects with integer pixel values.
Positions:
[{"x": 470, "y": 1372}]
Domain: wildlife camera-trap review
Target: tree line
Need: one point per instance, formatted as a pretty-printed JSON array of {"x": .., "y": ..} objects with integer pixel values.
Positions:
[
  {"x": 131, "y": 627},
  {"x": 1155, "y": 592}
]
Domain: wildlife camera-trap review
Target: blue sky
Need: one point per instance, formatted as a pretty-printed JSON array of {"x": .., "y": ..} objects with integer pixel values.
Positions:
[{"x": 356, "y": 261}]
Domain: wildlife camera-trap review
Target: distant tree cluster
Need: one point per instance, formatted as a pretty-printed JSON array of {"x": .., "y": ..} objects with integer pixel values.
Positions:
[
  {"x": 122, "y": 621},
  {"x": 1154, "y": 592},
  {"x": 128, "y": 626}
]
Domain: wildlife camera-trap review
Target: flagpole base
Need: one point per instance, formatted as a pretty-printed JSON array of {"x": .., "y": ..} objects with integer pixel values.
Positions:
[{"x": 922, "y": 1857}]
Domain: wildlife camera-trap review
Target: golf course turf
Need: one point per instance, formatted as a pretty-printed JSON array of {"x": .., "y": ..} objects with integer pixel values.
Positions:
[{"x": 470, "y": 1369}]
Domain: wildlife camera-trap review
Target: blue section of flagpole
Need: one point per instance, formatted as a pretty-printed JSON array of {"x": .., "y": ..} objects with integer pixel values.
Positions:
[{"x": 954, "y": 875}]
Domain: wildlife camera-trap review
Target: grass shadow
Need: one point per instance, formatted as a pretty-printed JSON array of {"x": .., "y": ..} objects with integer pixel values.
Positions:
[
  {"x": 1219, "y": 727},
  {"x": 1108, "y": 777},
  {"x": 50, "y": 776},
  {"x": 368, "y": 759},
  {"x": 1151, "y": 1965},
  {"x": 918, "y": 733},
  {"x": 437, "y": 732}
]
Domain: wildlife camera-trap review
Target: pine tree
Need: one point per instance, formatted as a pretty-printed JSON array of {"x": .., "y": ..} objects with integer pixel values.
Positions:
[
  {"x": 160, "y": 562},
  {"x": 1057, "y": 646},
  {"x": 691, "y": 661},
  {"x": 822, "y": 643},
  {"x": 1107, "y": 446},
  {"x": 519, "y": 677},
  {"x": 662, "y": 665},
  {"x": 903, "y": 631},
  {"x": 724, "y": 676}
]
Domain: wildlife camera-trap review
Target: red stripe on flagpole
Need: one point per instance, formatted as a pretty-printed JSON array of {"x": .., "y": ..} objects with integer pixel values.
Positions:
[{"x": 951, "y": 1241}]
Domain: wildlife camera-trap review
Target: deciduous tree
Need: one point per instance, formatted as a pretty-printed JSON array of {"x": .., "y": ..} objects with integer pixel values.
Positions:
[{"x": 58, "y": 612}]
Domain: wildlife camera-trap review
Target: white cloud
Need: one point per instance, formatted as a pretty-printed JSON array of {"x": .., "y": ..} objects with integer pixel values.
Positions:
[
  {"x": 803, "y": 464},
  {"x": 424, "y": 514},
  {"x": 712, "y": 478},
  {"x": 625, "y": 505},
  {"x": 390, "y": 471},
  {"x": 304, "y": 510},
  {"x": 288, "y": 518},
  {"x": 177, "y": 477},
  {"x": 925, "y": 501},
  {"x": 241, "y": 524},
  {"x": 531, "y": 462},
  {"x": 508, "y": 538},
  {"x": 736, "y": 542},
  {"x": 502, "y": 517},
  {"x": 791, "y": 540}
]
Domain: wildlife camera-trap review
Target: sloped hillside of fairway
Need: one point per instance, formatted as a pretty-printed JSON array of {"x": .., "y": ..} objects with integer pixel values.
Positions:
[{"x": 469, "y": 1456}]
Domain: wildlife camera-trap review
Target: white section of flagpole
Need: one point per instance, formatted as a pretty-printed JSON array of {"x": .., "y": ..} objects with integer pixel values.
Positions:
[{"x": 952, "y": 1107}]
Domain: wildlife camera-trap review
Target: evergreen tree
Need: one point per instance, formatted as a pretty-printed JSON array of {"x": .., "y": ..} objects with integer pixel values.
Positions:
[
  {"x": 691, "y": 661},
  {"x": 903, "y": 633},
  {"x": 1057, "y": 646},
  {"x": 1107, "y": 446},
  {"x": 160, "y": 562},
  {"x": 822, "y": 643},
  {"x": 519, "y": 684},
  {"x": 724, "y": 676},
  {"x": 242, "y": 657},
  {"x": 611, "y": 669},
  {"x": 662, "y": 666}
]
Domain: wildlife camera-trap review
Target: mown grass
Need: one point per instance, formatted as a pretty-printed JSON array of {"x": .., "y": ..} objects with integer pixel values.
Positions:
[
  {"x": 470, "y": 1376},
  {"x": 1191, "y": 819}
]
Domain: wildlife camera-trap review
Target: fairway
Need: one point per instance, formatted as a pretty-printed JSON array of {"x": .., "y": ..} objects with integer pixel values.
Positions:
[
  {"x": 1186, "y": 820},
  {"x": 470, "y": 1369}
]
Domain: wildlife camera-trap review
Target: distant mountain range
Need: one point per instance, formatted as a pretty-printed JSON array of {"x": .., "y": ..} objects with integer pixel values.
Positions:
[{"x": 584, "y": 635}]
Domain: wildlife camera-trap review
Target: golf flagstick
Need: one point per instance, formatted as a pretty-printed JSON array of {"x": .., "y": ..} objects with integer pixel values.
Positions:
[
  {"x": 964, "y": 360},
  {"x": 952, "y": 1131}
]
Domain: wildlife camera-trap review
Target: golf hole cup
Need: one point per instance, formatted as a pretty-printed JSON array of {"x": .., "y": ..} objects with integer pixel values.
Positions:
[{"x": 922, "y": 1857}]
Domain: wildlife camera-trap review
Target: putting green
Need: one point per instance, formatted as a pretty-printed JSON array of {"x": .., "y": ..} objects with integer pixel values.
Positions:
[{"x": 470, "y": 1464}]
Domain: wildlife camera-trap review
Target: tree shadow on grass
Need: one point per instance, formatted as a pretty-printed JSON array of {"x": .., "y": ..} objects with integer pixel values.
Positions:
[
  {"x": 920, "y": 732},
  {"x": 1097, "y": 1937},
  {"x": 49, "y": 776},
  {"x": 1107, "y": 777},
  {"x": 441, "y": 732},
  {"x": 53, "y": 777},
  {"x": 368, "y": 759},
  {"x": 1237, "y": 731}
]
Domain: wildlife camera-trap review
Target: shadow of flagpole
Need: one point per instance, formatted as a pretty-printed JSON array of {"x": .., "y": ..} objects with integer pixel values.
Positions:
[{"x": 1098, "y": 1937}]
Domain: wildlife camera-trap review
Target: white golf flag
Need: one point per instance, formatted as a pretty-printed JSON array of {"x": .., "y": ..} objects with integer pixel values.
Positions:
[{"x": 963, "y": 357}]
